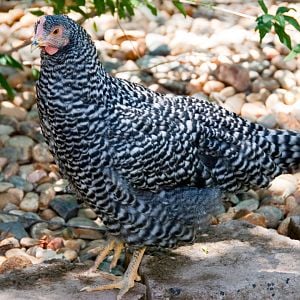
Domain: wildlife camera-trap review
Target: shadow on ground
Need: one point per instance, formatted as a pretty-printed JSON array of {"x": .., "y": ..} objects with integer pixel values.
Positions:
[{"x": 229, "y": 261}]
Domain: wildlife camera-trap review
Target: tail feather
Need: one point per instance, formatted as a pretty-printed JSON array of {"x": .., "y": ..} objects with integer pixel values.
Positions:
[{"x": 287, "y": 144}]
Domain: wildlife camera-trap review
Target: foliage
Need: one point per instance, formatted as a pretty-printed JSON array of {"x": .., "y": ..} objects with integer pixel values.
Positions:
[
  {"x": 266, "y": 22},
  {"x": 7, "y": 60}
]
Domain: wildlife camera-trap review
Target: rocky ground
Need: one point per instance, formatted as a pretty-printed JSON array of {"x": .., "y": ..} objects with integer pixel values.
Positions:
[{"x": 210, "y": 53}]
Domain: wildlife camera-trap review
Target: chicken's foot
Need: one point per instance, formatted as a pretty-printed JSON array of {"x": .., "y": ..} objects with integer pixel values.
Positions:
[{"x": 127, "y": 280}]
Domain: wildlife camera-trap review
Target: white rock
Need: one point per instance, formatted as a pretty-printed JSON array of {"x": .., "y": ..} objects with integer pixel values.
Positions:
[
  {"x": 284, "y": 185},
  {"x": 235, "y": 103}
]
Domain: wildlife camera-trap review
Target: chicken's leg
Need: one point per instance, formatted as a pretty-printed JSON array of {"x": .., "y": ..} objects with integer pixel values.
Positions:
[
  {"x": 112, "y": 244},
  {"x": 127, "y": 280}
]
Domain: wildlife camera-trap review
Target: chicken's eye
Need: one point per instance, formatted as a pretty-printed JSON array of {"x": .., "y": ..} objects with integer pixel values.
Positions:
[{"x": 55, "y": 31}]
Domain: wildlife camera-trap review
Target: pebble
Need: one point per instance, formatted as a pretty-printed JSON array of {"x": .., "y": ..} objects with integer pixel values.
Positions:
[
  {"x": 48, "y": 214},
  {"x": 235, "y": 103},
  {"x": 4, "y": 186},
  {"x": 11, "y": 169},
  {"x": 17, "y": 192},
  {"x": 67, "y": 208},
  {"x": 6, "y": 198},
  {"x": 250, "y": 205},
  {"x": 270, "y": 84},
  {"x": 228, "y": 91},
  {"x": 28, "y": 242},
  {"x": 21, "y": 183},
  {"x": 254, "y": 218},
  {"x": 55, "y": 243},
  {"x": 283, "y": 227},
  {"x": 268, "y": 120},
  {"x": 213, "y": 86},
  {"x": 3, "y": 162},
  {"x": 83, "y": 233},
  {"x": 294, "y": 228},
  {"x": 30, "y": 203},
  {"x": 75, "y": 245},
  {"x": 9, "y": 109},
  {"x": 234, "y": 75},
  {"x": 157, "y": 44},
  {"x": 70, "y": 255},
  {"x": 284, "y": 185},
  {"x": 286, "y": 79},
  {"x": 16, "y": 229},
  {"x": 253, "y": 111},
  {"x": 59, "y": 222},
  {"x": 36, "y": 176},
  {"x": 38, "y": 230},
  {"x": 23, "y": 144},
  {"x": 15, "y": 262},
  {"x": 6, "y": 130},
  {"x": 41, "y": 153},
  {"x": 272, "y": 214},
  {"x": 47, "y": 254},
  {"x": 9, "y": 243},
  {"x": 87, "y": 213},
  {"x": 254, "y": 97},
  {"x": 46, "y": 196}
]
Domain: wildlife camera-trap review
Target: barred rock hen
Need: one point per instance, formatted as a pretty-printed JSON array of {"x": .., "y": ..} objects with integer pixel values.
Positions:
[{"x": 151, "y": 166}]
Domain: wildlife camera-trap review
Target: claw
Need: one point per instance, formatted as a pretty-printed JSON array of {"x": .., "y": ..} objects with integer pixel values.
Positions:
[{"x": 127, "y": 280}]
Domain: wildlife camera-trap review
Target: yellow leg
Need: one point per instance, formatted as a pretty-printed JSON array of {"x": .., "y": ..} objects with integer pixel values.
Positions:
[
  {"x": 111, "y": 245},
  {"x": 127, "y": 280}
]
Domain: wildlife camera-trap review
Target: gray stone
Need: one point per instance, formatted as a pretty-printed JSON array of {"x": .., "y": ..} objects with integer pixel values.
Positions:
[
  {"x": 21, "y": 183},
  {"x": 67, "y": 208},
  {"x": 16, "y": 229},
  {"x": 6, "y": 129},
  {"x": 234, "y": 260},
  {"x": 4, "y": 186},
  {"x": 250, "y": 205},
  {"x": 273, "y": 215}
]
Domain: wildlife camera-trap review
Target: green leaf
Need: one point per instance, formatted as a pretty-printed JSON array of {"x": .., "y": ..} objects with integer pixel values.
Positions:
[
  {"x": 10, "y": 91},
  {"x": 263, "y": 6},
  {"x": 283, "y": 9},
  {"x": 294, "y": 52},
  {"x": 266, "y": 18},
  {"x": 129, "y": 7},
  {"x": 37, "y": 13},
  {"x": 111, "y": 6},
  {"x": 264, "y": 25},
  {"x": 7, "y": 60},
  {"x": 80, "y": 2},
  {"x": 35, "y": 73},
  {"x": 179, "y": 6},
  {"x": 95, "y": 27},
  {"x": 152, "y": 9},
  {"x": 100, "y": 6},
  {"x": 281, "y": 20},
  {"x": 79, "y": 10},
  {"x": 58, "y": 6},
  {"x": 293, "y": 22},
  {"x": 283, "y": 36}
]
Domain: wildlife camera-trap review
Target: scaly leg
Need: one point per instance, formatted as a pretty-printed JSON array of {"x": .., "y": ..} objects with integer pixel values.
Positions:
[
  {"x": 111, "y": 245},
  {"x": 127, "y": 280}
]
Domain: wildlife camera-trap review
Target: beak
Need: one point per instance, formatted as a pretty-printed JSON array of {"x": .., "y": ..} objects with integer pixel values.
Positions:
[{"x": 36, "y": 43}]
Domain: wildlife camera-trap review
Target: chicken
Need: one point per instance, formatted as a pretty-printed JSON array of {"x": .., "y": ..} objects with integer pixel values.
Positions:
[{"x": 151, "y": 166}]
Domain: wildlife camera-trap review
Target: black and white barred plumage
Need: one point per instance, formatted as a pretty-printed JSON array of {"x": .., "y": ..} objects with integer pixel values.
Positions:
[{"x": 152, "y": 166}]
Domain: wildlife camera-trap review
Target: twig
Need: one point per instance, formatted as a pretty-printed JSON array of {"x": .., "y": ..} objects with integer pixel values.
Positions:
[
  {"x": 24, "y": 44},
  {"x": 207, "y": 4}
]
